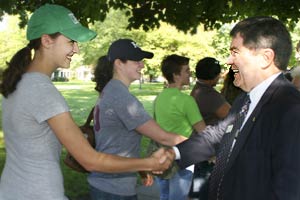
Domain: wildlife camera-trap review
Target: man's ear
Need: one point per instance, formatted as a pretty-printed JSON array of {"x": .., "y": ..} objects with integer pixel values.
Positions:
[
  {"x": 268, "y": 57},
  {"x": 175, "y": 77}
]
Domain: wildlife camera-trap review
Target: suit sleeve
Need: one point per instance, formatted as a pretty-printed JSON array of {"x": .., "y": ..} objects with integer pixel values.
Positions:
[
  {"x": 286, "y": 157},
  {"x": 201, "y": 146}
]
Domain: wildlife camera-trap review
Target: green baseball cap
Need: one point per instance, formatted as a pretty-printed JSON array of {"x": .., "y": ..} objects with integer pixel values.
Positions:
[{"x": 51, "y": 18}]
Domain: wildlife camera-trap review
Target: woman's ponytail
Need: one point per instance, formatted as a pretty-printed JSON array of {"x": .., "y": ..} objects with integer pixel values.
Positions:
[
  {"x": 16, "y": 68},
  {"x": 103, "y": 73}
]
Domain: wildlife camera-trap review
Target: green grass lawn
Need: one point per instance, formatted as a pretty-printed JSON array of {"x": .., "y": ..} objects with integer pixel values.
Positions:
[{"x": 81, "y": 96}]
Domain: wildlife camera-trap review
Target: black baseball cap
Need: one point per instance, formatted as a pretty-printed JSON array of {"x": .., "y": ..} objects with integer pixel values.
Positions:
[
  {"x": 208, "y": 68},
  {"x": 126, "y": 49}
]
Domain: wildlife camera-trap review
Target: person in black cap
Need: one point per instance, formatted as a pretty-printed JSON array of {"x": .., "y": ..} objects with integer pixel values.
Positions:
[
  {"x": 121, "y": 119},
  {"x": 36, "y": 118},
  {"x": 213, "y": 107},
  {"x": 212, "y": 104}
]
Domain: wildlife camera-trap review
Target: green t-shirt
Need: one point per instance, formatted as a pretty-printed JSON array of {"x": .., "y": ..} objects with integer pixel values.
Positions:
[{"x": 176, "y": 111}]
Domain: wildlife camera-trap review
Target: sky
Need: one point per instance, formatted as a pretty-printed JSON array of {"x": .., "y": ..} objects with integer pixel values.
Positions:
[{"x": 3, "y": 23}]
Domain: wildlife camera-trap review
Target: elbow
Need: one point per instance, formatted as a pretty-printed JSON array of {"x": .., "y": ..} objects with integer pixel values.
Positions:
[
  {"x": 89, "y": 163},
  {"x": 166, "y": 142},
  {"x": 88, "y": 166}
]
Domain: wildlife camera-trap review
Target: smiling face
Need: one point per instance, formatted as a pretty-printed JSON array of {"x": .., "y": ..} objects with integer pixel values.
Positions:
[
  {"x": 63, "y": 50},
  {"x": 128, "y": 71},
  {"x": 245, "y": 63},
  {"x": 134, "y": 69}
]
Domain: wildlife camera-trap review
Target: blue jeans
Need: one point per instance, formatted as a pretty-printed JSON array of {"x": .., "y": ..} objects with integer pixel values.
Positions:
[
  {"x": 199, "y": 188},
  {"x": 97, "y": 194},
  {"x": 177, "y": 187}
]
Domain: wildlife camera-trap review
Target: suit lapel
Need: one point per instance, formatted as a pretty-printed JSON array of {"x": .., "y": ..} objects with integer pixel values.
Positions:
[{"x": 246, "y": 131}]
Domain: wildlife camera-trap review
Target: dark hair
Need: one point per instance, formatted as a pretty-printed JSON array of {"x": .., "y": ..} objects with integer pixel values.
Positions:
[
  {"x": 287, "y": 75},
  {"x": 172, "y": 64},
  {"x": 208, "y": 68},
  {"x": 18, "y": 65},
  {"x": 298, "y": 47},
  {"x": 229, "y": 90},
  {"x": 266, "y": 32},
  {"x": 103, "y": 73}
]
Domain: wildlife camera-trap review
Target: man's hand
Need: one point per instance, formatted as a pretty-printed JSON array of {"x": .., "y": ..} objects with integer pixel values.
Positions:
[
  {"x": 171, "y": 153},
  {"x": 164, "y": 159},
  {"x": 161, "y": 160}
]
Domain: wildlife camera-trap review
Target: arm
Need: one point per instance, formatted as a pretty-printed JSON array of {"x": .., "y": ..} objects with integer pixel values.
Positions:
[
  {"x": 200, "y": 147},
  {"x": 223, "y": 110},
  {"x": 152, "y": 130},
  {"x": 71, "y": 137},
  {"x": 199, "y": 126},
  {"x": 285, "y": 159}
]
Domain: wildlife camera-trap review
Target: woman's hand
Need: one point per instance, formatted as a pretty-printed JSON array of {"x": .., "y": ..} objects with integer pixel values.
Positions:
[
  {"x": 161, "y": 160},
  {"x": 147, "y": 178}
]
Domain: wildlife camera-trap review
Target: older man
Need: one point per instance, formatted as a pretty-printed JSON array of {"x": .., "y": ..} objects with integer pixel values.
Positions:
[{"x": 259, "y": 155}]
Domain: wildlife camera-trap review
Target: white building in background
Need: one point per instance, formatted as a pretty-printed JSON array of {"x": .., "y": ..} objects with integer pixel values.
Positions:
[{"x": 83, "y": 73}]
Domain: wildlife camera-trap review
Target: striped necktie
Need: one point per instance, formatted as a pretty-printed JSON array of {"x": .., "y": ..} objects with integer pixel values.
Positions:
[{"x": 223, "y": 156}]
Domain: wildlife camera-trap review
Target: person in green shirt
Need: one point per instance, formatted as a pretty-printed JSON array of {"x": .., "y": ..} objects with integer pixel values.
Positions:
[{"x": 177, "y": 112}]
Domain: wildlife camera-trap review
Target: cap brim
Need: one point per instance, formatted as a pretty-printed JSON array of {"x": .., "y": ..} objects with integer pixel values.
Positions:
[
  {"x": 79, "y": 34},
  {"x": 144, "y": 54},
  {"x": 148, "y": 54}
]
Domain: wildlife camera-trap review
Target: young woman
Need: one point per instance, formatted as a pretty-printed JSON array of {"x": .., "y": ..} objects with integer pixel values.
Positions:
[
  {"x": 36, "y": 119},
  {"x": 122, "y": 119}
]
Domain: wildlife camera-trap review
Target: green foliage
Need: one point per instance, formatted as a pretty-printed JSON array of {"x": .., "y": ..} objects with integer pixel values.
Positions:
[
  {"x": 221, "y": 43},
  {"x": 167, "y": 40},
  {"x": 12, "y": 38},
  {"x": 295, "y": 38},
  {"x": 163, "y": 41},
  {"x": 114, "y": 27},
  {"x": 185, "y": 15}
]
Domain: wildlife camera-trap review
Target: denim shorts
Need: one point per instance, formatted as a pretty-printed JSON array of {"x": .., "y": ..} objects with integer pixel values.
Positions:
[
  {"x": 97, "y": 194},
  {"x": 177, "y": 187}
]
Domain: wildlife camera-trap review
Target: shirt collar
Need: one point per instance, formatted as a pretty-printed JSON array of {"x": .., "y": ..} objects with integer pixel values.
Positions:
[{"x": 256, "y": 93}]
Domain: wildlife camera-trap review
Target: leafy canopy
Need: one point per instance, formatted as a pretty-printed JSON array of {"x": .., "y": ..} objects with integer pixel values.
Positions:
[{"x": 185, "y": 15}]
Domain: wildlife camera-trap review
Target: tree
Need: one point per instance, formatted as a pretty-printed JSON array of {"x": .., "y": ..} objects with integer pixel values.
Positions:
[
  {"x": 221, "y": 42},
  {"x": 161, "y": 41},
  {"x": 12, "y": 39},
  {"x": 185, "y": 15}
]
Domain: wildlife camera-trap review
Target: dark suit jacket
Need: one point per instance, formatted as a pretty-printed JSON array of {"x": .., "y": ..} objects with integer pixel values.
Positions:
[{"x": 265, "y": 161}]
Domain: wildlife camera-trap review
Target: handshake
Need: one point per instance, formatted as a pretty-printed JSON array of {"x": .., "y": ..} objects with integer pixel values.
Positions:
[{"x": 161, "y": 160}]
